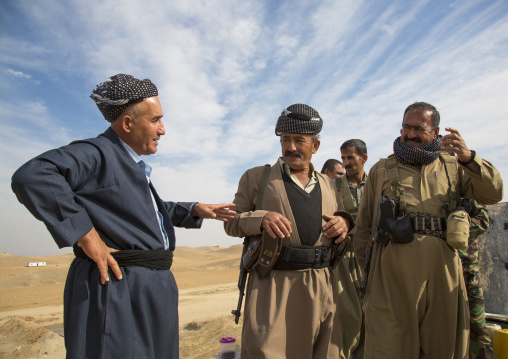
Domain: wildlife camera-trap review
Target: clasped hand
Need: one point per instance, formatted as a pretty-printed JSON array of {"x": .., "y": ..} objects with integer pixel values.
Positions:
[{"x": 276, "y": 225}]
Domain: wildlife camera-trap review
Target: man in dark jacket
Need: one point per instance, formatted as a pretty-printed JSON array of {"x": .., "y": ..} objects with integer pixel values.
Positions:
[{"x": 96, "y": 196}]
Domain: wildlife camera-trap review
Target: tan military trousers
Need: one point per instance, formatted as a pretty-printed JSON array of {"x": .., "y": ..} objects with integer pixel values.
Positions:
[
  {"x": 416, "y": 303},
  {"x": 349, "y": 308},
  {"x": 291, "y": 314}
]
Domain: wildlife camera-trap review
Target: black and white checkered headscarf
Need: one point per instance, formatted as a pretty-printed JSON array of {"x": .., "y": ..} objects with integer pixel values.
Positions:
[
  {"x": 115, "y": 94},
  {"x": 417, "y": 156},
  {"x": 299, "y": 118}
]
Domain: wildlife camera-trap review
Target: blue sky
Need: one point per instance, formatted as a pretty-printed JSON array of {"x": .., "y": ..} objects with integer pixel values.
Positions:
[{"x": 226, "y": 69}]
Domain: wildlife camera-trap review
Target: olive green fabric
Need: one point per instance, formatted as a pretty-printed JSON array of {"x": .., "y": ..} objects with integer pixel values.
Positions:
[
  {"x": 349, "y": 307},
  {"x": 416, "y": 305},
  {"x": 349, "y": 280}
]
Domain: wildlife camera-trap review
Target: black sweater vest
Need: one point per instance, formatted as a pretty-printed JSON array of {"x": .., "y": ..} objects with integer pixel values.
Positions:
[{"x": 306, "y": 208}]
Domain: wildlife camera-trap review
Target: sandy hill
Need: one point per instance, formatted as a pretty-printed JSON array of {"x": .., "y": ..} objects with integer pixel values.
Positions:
[{"x": 31, "y": 302}]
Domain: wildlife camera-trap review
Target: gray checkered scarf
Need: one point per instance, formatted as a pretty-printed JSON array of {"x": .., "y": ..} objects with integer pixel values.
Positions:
[
  {"x": 417, "y": 156},
  {"x": 116, "y": 93}
]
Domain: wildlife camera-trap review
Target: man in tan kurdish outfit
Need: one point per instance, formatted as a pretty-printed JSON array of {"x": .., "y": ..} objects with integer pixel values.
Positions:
[
  {"x": 290, "y": 312},
  {"x": 416, "y": 305},
  {"x": 348, "y": 270}
]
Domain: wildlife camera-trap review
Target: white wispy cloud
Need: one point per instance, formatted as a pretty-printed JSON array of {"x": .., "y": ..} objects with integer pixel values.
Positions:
[
  {"x": 226, "y": 69},
  {"x": 18, "y": 74}
]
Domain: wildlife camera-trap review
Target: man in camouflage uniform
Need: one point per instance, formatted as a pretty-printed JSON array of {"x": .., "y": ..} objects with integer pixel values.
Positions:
[{"x": 480, "y": 346}]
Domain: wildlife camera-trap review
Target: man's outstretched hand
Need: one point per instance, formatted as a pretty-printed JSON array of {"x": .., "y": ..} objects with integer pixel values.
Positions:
[{"x": 220, "y": 211}]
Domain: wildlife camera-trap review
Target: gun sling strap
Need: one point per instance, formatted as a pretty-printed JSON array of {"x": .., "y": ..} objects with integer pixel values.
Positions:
[{"x": 262, "y": 186}]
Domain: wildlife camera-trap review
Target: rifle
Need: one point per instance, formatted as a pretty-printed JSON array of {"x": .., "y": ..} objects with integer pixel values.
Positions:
[
  {"x": 386, "y": 209},
  {"x": 242, "y": 279},
  {"x": 250, "y": 253},
  {"x": 366, "y": 266}
]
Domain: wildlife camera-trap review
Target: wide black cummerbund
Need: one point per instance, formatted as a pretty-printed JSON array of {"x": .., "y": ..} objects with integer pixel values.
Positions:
[
  {"x": 303, "y": 257},
  {"x": 154, "y": 258}
]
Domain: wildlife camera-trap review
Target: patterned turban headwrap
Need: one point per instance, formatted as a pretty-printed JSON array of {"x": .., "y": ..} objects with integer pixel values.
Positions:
[
  {"x": 115, "y": 94},
  {"x": 299, "y": 118}
]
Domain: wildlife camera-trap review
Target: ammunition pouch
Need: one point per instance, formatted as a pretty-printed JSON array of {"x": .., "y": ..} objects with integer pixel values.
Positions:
[
  {"x": 251, "y": 254},
  {"x": 427, "y": 224},
  {"x": 386, "y": 210},
  {"x": 304, "y": 257},
  {"x": 400, "y": 230},
  {"x": 457, "y": 229},
  {"x": 262, "y": 253}
]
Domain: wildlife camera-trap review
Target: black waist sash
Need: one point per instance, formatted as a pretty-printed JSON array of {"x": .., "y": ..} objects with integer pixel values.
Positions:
[{"x": 154, "y": 258}]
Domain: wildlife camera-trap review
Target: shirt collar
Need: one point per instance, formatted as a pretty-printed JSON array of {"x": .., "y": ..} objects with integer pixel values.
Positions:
[
  {"x": 287, "y": 170},
  {"x": 362, "y": 183},
  {"x": 135, "y": 156}
]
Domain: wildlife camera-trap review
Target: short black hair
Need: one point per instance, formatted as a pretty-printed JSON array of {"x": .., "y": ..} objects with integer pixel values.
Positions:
[
  {"x": 360, "y": 146},
  {"x": 331, "y": 164},
  {"x": 423, "y": 107}
]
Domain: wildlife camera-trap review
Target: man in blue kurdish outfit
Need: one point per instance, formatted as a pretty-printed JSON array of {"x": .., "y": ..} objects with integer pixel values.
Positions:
[{"x": 96, "y": 196}]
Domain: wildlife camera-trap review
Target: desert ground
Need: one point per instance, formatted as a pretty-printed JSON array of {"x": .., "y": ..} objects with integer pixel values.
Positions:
[{"x": 31, "y": 311}]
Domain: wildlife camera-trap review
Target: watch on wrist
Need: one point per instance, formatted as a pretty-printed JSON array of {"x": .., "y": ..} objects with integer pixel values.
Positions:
[{"x": 473, "y": 155}]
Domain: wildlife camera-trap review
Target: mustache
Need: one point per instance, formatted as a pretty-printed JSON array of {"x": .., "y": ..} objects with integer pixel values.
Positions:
[
  {"x": 348, "y": 167},
  {"x": 415, "y": 139},
  {"x": 293, "y": 153}
]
